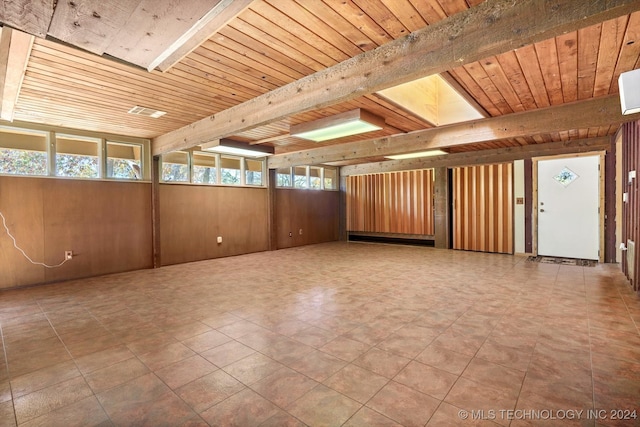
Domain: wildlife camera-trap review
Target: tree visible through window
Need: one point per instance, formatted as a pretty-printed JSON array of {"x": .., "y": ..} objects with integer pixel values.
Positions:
[
  {"x": 23, "y": 152},
  {"x": 283, "y": 177},
  {"x": 300, "y": 177},
  {"x": 204, "y": 168},
  {"x": 311, "y": 177},
  {"x": 315, "y": 177},
  {"x": 124, "y": 161},
  {"x": 230, "y": 170},
  {"x": 253, "y": 172},
  {"x": 175, "y": 167},
  {"x": 29, "y": 152},
  {"x": 76, "y": 166},
  {"x": 23, "y": 162},
  {"x": 77, "y": 157}
]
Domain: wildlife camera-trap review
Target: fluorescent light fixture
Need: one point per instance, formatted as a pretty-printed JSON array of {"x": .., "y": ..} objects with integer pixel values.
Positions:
[
  {"x": 349, "y": 123},
  {"x": 629, "y": 85},
  {"x": 237, "y": 148},
  {"x": 417, "y": 155}
]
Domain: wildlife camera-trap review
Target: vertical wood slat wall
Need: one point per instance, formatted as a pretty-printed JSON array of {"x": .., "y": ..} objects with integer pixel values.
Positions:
[
  {"x": 483, "y": 208},
  {"x": 393, "y": 202},
  {"x": 631, "y": 208}
]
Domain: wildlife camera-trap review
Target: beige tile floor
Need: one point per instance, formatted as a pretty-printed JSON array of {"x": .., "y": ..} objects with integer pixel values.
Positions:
[{"x": 326, "y": 335}]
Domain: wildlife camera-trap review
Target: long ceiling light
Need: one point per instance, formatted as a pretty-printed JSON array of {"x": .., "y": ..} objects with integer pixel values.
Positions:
[
  {"x": 349, "y": 123},
  {"x": 417, "y": 155},
  {"x": 237, "y": 148}
]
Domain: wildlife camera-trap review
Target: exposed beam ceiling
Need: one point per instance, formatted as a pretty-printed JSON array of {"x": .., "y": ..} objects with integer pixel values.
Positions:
[
  {"x": 497, "y": 155},
  {"x": 491, "y": 28},
  {"x": 582, "y": 114},
  {"x": 146, "y": 33},
  {"x": 15, "y": 48},
  {"x": 216, "y": 18}
]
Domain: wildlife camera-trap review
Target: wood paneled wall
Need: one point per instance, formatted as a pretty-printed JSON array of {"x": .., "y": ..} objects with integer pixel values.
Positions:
[
  {"x": 105, "y": 224},
  {"x": 631, "y": 209},
  {"x": 193, "y": 216},
  {"x": 393, "y": 202},
  {"x": 316, "y": 213},
  {"x": 483, "y": 208}
]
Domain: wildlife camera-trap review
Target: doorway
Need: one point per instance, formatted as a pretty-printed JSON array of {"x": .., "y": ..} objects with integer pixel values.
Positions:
[{"x": 568, "y": 207}]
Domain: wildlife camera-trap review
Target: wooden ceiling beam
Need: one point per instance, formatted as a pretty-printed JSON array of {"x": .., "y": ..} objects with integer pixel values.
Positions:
[
  {"x": 219, "y": 16},
  {"x": 496, "y": 155},
  {"x": 590, "y": 113},
  {"x": 15, "y": 50},
  {"x": 90, "y": 24},
  {"x": 491, "y": 28},
  {"x": 30, "y": 16}
]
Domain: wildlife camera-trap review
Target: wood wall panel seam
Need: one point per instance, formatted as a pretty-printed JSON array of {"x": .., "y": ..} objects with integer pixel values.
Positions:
[
  {"x": 476, "y": 197},
  {"x": 397, "y": 203}
]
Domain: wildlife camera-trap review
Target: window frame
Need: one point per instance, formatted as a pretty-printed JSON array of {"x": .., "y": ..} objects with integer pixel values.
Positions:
[
  {"x": 105, "y": 157},
  {"x": 52, "y": 134},
  {"x": 308, "y": 177},
  {"x": 263, "y": 171},
  {"x": 47, "y": 137},
  {"x": 218, "y": 157},
  {"x": 99, "y": 154},
  {"x": 188, "y": 165},
  {"x": 208, "y": 154}
]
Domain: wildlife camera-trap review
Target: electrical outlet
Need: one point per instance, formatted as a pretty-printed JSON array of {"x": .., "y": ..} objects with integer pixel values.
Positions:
[
  {"x": 290, "y": 234},
  {"x": 68, "y": 254}
]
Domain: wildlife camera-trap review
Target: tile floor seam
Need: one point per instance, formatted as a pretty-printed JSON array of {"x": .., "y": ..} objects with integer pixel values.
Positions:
[
  {"x": 6, "y": 366},
  {"x": 474, "y": 356},
  {"x": 77, "y": 367}
]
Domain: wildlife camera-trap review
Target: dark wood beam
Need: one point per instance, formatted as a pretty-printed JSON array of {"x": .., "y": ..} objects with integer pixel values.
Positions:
[
  {"x": 469, "y": 158},
  {"x": 493, "y": 27},
  {"x": 595, "y": 112}
]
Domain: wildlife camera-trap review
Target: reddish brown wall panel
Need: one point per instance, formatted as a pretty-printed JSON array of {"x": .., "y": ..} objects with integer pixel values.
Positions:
[
  {"x": 483, "y": 208},
  {"x": 610, "y": 204},
  {"x": 393, "y": 202},
  {"x": 316, "y": 213},
  {"x": 193, "y": 216},
  {"x": 631, "y": 209},
  {"x": 106, "y": 224}
]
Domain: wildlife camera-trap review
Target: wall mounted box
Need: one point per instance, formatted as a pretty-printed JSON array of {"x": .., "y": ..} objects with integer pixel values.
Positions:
[{"x": 629, "y": 84}]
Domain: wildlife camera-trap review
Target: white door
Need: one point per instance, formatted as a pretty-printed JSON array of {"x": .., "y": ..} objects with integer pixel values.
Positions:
[{"x": 568, "y": 202}]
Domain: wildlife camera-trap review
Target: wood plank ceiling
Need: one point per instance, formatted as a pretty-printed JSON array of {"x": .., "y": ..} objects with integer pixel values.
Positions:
[{"x": 272, "y": 43}]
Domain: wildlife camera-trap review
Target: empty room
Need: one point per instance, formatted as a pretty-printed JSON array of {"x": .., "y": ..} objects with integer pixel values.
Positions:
[{"x": 319, "y": 213}]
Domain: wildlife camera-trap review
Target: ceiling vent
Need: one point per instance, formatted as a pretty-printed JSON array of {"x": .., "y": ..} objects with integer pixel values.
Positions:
[{"x": 147, "y": 112}]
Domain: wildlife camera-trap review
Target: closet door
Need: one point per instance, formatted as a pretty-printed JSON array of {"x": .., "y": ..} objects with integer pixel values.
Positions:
[{"x": 483, "y": 208}]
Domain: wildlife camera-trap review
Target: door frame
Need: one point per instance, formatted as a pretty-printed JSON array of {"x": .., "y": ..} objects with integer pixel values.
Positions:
[{"x": 601, "y": 198}]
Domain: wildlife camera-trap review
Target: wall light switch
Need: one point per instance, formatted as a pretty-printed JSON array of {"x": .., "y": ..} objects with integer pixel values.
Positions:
[
  {"x": 625, "y": 197},
  {"x": 219, "y": 239},
  {"x": 632, "y": 175}
]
